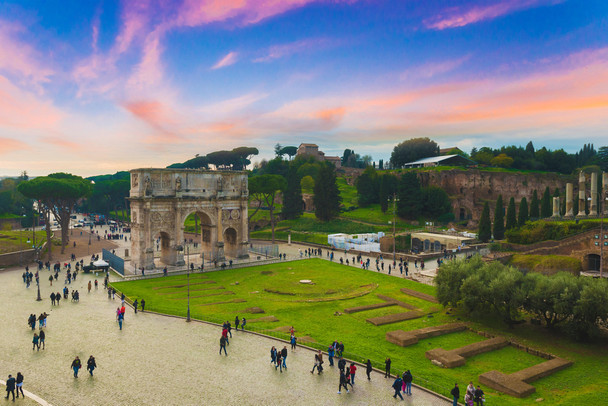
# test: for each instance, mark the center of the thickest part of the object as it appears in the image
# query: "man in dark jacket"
(407, 379)
(341, 364)
(387, 368)
(455, 394)
(478, 396)
(342, 382)
(284, 356)
(397, 387)
(223, 345)
(10, 386)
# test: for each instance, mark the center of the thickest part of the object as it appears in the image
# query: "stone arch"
(230, 241)
(206, 235)
(165, 246)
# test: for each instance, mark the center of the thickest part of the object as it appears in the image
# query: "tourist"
(121, 318)
(330, 354)
(76, 365)
(89, 286)
(53, 298)
(19, 384)
(341, 364)
(318, 362)
(283, 356)
(243, 322)
(340, 349)
(51, 279)
(223, 345)
(470, 394)
(479, 396)
(279, 361)
(225, 334)
(10, 386)
(387, 368)
(36, 343)
(237, 322)
(368, 369)
(123, 309)
(347, 377)
(57, 298)
(342, 382)
(293, 342)
(273, 355)
(96, 284)
(135, 304)
(353, 369)
(407, 382)
(455, 394)
(31, 321)
(397, 387)
(41, 337)
(91, 364)
(143, 306)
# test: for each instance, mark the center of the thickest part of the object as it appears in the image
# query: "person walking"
(342, 382)
(19, 384)
(368, 369)
(341, 364)
(283, 355)
(407, 380)
(53, 298)
(223, 345)
(397, 384)
(387, 368)
(36, 343)
(455, 394)
(273, 355)
(135, 304)
(89, 286)
(121, 318)
(143, 306)
(41, 337)
(10, 386)
(318, 362)
(91, 364)
(76, 365)
(57, 298)
(279, 361)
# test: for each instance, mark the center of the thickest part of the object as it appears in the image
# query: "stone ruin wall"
(470, 189)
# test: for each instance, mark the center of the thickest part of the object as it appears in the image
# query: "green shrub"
(537, 231)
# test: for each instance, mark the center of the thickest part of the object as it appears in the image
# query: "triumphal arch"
(162, 199)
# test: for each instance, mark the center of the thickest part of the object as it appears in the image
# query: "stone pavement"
(158, 360)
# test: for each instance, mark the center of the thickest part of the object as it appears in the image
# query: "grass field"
(11, 241)
(311, 308)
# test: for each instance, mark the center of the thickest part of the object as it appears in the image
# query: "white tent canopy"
(99, 263)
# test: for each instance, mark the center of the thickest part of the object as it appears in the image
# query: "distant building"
(450, 151)
(446, 160)
(313, 151)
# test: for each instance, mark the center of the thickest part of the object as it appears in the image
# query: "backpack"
(397, 384)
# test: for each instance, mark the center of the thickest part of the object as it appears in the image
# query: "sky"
(94, 87)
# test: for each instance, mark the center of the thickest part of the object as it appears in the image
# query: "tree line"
(414, 201)
(577, 306)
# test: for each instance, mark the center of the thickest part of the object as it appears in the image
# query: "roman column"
(593, 208)
(569, 200)
(555, 207)
(581, 195)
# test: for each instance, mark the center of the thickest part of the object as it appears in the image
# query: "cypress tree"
(534, 206)
(499, 219)
(327, 195)
(523, 212)
(292, 198)
(485, 227)
(511, 216)
(546, 209)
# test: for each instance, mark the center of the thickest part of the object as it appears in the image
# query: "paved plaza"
(157, 359)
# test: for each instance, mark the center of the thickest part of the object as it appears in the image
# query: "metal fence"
(268, 250)
(116, 262)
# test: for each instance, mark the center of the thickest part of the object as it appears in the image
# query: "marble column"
(593, 208)
(581, 195)
(569, 200)
(555, 207)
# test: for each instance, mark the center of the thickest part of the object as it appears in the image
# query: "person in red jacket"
(225, 335)
(353, 369)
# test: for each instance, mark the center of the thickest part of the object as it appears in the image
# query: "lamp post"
(188, 265)
(395, 200)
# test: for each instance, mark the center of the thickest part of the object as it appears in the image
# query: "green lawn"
(11, 241)
(311, 310)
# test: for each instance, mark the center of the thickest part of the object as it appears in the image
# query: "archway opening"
(200, 238)
(230, 242)
(593, 262)
(162, 248)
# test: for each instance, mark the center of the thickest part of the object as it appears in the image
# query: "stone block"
(395, 318)
(401, 338)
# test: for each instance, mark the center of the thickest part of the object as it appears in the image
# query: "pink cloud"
(19, 58)
(230, 59)
(62, 142)
(454, 17)
(429, 70)
(8, 145)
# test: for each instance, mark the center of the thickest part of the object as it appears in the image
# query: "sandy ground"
(158, 360)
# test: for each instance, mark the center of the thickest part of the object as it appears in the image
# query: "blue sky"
(95, 87)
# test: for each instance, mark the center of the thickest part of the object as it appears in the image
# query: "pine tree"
(499, 219)
(534, 206)
(292, 198)
(546, 205)
(327, 196)
(511, 216)
(485, 227)
(523, 212)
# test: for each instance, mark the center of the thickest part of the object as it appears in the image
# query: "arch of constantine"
(162, 199)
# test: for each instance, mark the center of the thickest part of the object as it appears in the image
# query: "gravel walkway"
(158, 360)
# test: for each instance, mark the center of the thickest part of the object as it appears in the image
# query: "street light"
(181, 248)
(395, 199)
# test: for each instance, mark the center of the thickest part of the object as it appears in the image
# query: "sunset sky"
(93, 87)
